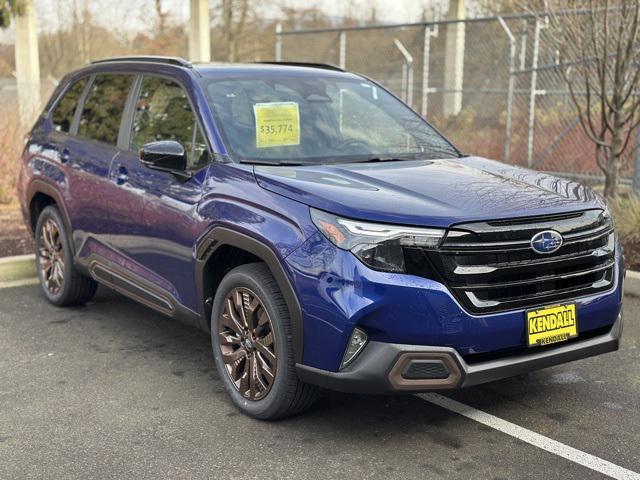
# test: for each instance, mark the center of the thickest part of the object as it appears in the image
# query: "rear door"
(155, 212)
(63, 118)
(88, 152)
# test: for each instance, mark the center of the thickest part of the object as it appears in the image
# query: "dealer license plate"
(551, 325)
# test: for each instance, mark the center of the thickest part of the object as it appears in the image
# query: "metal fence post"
(403, 82)
(523, 45)
(512, 59)
(278, 52)
(533, 92)
(343, 50)
(426, 50)
(407, 72)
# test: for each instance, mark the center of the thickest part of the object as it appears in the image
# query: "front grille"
(491, 267)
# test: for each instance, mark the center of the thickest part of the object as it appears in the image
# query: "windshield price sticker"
(277, 124)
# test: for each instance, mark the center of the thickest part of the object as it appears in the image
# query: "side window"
(103, 108)
(62, 114)
(163, 112)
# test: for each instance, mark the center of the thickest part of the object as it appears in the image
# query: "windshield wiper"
(384, 159)
(270, 162)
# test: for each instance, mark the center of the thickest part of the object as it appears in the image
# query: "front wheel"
(252, 345)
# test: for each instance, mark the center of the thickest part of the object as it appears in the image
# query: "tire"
(286, 395)
(61, 282)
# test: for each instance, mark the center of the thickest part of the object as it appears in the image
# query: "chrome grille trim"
(541, 279)
(525, 245)
(495, 268)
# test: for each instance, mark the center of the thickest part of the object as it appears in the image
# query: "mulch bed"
(15, 239)
(632, 255)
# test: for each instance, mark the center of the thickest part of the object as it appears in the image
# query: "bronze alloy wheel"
(51, 256)
(247, 343)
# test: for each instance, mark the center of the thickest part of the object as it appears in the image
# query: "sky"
(117, 12)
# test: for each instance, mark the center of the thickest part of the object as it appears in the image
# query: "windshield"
(311, 120)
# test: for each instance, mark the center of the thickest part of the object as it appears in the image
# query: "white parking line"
(577, 456)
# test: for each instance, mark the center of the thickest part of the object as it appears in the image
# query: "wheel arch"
(220, 237)
(41, 195)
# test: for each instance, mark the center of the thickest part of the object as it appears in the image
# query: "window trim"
(126, 126)
(56, 101)
(128, 134)
(80, 107)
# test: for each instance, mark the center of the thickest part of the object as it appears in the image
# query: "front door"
(155, 212)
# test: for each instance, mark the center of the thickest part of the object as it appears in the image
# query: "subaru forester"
(325, 234)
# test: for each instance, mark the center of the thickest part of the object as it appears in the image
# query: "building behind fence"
(487, 83)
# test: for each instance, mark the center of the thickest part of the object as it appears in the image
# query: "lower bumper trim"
(379, 368)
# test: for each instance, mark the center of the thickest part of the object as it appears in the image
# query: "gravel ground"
(113, 390)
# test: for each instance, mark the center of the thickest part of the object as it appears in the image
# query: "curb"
(21, 267)
(632, 283)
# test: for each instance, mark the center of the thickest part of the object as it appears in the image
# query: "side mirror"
(165, 155)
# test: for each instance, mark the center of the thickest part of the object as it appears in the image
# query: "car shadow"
(136, 330)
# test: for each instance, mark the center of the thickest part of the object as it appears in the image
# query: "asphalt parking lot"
(114, 390)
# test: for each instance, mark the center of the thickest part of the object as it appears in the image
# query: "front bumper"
(337, 293)
(383, 367)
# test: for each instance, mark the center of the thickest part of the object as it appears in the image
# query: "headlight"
(606, 213)
(377, 245)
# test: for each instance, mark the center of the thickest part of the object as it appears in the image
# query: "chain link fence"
(490, 84)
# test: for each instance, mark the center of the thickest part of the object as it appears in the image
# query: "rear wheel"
(252, 345)
(61, 282)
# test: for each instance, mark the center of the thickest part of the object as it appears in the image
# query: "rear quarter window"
(62, 113)
(103, 108)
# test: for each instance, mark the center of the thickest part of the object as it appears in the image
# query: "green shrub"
(626, 212)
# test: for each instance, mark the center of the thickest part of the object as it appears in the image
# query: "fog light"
(356, 343)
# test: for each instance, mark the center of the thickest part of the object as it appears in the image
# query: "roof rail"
(177, 61)
(325, 66)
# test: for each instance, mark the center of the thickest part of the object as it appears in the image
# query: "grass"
(626, 213)
(14, 236)
(10, 147)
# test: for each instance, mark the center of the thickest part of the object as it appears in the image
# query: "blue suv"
(323, 233)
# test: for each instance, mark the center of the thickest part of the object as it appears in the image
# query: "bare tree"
(82, 30)
(8, 9)
(598, 47)
(234, 21)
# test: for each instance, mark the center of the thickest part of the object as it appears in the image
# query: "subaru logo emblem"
(548, 241)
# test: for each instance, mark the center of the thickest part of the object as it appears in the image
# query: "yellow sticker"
(277, 124)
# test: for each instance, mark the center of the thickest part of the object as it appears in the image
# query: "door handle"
(65, 155)
(122, 176)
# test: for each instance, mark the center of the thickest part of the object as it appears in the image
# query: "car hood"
(435, 193)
